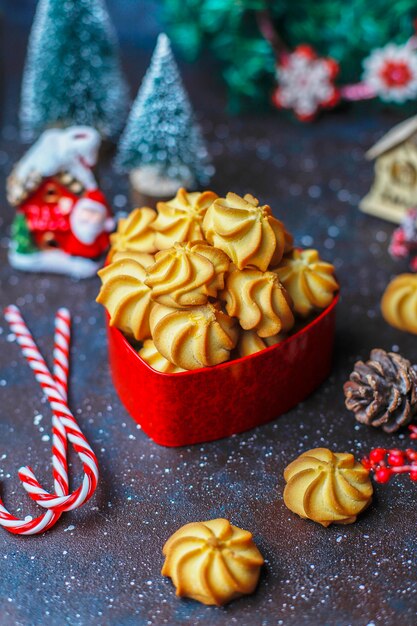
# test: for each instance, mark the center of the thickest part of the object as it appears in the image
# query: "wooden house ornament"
(394, 190)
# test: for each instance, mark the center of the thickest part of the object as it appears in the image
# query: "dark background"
(101, 564)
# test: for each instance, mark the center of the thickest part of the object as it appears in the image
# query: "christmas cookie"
(187, 274)
(327, 487)
(181, 218)
(150, 354)
(250, 342)
(134, 233)
(247, 232)
(220, 261)
(126, 297)
(383, 391)
(399, 303)
(195, 337)
(259, 301)
(212, 562)
(143, 258)
(309, 280)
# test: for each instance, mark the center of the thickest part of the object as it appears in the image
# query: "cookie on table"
(327, 487)
(212, 562)
(399, 303)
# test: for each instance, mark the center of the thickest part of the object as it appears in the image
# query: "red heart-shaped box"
(215, 402)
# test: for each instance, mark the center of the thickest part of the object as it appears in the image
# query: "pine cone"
(383, 391)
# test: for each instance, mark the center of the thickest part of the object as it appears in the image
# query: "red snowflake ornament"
(306, 83)
(391, 72)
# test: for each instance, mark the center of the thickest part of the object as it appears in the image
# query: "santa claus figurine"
(63, 220)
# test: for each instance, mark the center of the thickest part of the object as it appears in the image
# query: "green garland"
(229, 28)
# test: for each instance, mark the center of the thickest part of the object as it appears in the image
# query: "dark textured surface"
(101, 565)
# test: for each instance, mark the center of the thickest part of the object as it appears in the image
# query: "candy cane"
(28, 526)
(59, 440)
(61, 351)
(61, 371)
(60, 408)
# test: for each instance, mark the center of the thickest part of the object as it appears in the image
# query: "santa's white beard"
(85, 231)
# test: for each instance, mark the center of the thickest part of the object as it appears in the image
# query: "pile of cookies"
(206, 279)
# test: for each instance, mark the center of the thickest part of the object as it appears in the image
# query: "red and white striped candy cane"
(60, 408)
(61, 350)
(27, 526)
(61, 371)
(59, 440)
(48, 519)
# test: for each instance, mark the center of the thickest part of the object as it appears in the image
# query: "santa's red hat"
(95, 200)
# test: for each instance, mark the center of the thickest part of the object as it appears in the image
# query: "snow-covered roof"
(67, 154)
(18, 189)
(400, 133)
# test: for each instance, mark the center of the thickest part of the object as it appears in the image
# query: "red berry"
(377, 455)
(413, 475)
(411, 454)
(396, 459)
(383, 475)
(413, 429)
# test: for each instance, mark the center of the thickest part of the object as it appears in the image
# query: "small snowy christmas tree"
(72, 73)
(162, 143)
(23, 242)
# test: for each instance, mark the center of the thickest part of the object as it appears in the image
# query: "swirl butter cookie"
(309, 280)
(212, 562)
(134, 233)
(187, 274)
(399, 303)
(259, 301)
(194, 337)
(250, 342)
(246, 231)
(327, 487)
(150, 354)
(126, 297)
(181, 218)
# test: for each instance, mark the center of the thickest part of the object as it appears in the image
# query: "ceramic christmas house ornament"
(395, 187)
(162, 146)
(62, 219)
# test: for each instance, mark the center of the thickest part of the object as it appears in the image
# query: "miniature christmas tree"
(21, 236)
(162, 140)
(72, 73)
